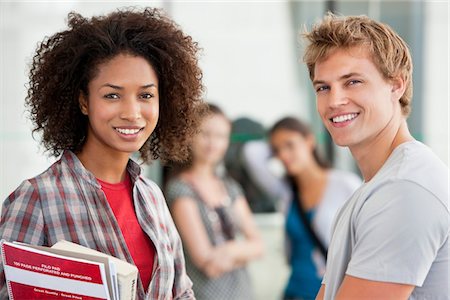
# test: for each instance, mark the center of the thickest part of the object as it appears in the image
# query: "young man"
(391, 239)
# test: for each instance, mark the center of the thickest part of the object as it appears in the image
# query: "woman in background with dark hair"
(101, 90)
(210, 211)
(317, 193)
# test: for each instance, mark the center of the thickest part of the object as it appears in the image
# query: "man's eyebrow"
(315, 82)
(345, 76)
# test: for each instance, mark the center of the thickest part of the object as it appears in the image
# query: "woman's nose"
(131, 110)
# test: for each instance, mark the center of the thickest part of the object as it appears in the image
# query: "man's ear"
(398, 87)
(82, 100)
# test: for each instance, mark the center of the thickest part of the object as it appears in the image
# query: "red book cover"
(36, 274)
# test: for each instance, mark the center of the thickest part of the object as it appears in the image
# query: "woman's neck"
(310, 176)
(201, 170)
(311, 185)
(108, 167)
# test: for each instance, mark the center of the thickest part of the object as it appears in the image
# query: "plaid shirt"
(66, 202)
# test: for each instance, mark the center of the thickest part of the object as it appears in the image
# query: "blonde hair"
(389, 52)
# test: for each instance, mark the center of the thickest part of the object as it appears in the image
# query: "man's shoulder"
(345, 178)
(413, 164)
(416, 161)
(402, 193)
(396, 199)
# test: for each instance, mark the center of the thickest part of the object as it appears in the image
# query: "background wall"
(435, 79)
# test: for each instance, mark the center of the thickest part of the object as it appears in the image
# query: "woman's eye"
(147, 96)
(275, 151)
(111, 96)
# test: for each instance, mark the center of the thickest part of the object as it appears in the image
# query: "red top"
(141, 247)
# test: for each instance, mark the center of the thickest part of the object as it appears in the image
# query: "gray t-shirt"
(395, 228)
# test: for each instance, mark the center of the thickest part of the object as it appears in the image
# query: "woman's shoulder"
(233, 187)
(55, 173)
(178, 187)
(64, 171)
(178, 182)
(46, 182)
(230, 181)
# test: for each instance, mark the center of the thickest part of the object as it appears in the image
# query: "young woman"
(210, 212)
(317, 193)
(99, 91)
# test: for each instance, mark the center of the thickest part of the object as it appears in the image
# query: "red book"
(36, 273)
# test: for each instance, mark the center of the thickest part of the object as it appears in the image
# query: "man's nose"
(337, 97)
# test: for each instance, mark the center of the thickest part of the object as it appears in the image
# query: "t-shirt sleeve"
(398, 233)
(176, 189)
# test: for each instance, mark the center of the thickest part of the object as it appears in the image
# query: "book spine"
(133, 289)
(10, 293)
(127, 288)
(8, 284)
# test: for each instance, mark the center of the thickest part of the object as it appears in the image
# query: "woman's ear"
(82, 100)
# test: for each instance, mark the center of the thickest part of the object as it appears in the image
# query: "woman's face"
(293, 149)
(122, 105)
(211, 143)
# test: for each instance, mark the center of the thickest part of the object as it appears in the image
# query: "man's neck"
(372, 156)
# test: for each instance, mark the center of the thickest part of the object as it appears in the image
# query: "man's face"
(356, 103)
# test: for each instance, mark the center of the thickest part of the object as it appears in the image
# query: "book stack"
(66, 271)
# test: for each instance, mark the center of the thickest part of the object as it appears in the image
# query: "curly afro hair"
(66, 62)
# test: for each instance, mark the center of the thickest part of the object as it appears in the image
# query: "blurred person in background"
(211, 214)
(317, 193)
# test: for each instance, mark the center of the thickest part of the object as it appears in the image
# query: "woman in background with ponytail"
(317, 193)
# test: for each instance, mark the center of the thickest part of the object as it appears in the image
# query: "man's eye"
(321, 88)
(354, 81)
